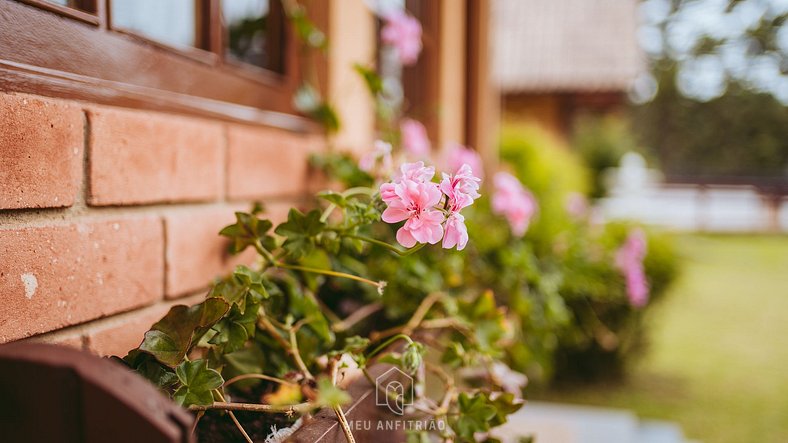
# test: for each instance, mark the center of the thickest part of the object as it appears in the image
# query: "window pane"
(172, 22)
(253, 32)
(82, 5)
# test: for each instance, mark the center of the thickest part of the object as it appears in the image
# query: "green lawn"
(718, 363)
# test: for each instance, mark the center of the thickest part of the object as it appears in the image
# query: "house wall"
(109, 216)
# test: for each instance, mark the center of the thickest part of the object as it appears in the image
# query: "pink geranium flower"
(458, 155)
(629, 260)
(431, 212)
(402, 32)
(414, 138)
(381, 152)
(408, 171)
(576, 205)
(456, 232)
(414, 203)
(461, 188)
(514, 202)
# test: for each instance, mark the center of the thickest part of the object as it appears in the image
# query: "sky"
(705, 77)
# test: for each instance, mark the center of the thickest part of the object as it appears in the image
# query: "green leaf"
(197, 382)
(371, 78)
(475, 413)
(300, 231)
(333, 197)
(171, 338)
(329, 395)
(148, 367)
(237, 326)
(247, 231)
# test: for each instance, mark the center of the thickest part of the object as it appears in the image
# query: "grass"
(718, 361)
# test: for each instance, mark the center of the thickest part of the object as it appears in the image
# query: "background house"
(554, 59)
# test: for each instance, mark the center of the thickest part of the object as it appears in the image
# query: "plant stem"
(357, 316)
(255, 407)
(386, 245)
(328, 272)
(258, 377)
(235, 420)
(415, 320)
(344, 424)
(297, 355)
(338, 409)
(388, 342)
(264, 252)
(290, 347)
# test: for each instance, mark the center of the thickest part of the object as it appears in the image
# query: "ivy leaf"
(148, 367)
(247, 231)
(197, 382)
(237, 327)
(333, 197)
(300, 231)
(505, 404)
(475, 413)
(171, 338)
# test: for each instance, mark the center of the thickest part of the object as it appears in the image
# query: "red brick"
(143, 157)
(41, 151)
(125, 333)
(264, 162)
(56, 276)
(196, 253)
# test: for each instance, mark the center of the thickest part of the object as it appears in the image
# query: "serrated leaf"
(247, 231)
(197, 382)
(300, 230)
(475, 414)
(171, 338)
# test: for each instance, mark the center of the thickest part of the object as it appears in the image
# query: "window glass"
(172, 22)
(253, 33)
(82, 5)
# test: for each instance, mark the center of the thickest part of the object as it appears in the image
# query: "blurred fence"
(741, 204)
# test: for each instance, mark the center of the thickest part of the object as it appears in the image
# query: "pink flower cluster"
(431, 211)
(458, 155)
(629, 260)
(402, 32)
(514, 202)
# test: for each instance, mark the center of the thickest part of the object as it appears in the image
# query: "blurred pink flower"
(414, 138)
(403, 32)
(382, 152)
(414, 202)
(458, 155)
(513, 201)
(456, 232)
(576, 205)
(629, 260)
(461, 188)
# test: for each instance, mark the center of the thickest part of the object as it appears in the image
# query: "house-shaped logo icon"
(394, 389)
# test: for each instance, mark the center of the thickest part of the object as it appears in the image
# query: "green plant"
(269, 327)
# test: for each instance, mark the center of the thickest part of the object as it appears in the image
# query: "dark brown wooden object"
(57, 394)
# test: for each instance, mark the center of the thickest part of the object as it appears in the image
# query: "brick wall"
(109, 216)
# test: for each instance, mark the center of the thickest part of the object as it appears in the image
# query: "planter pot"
(57, 394)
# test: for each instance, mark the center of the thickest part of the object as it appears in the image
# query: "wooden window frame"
(75, 57)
